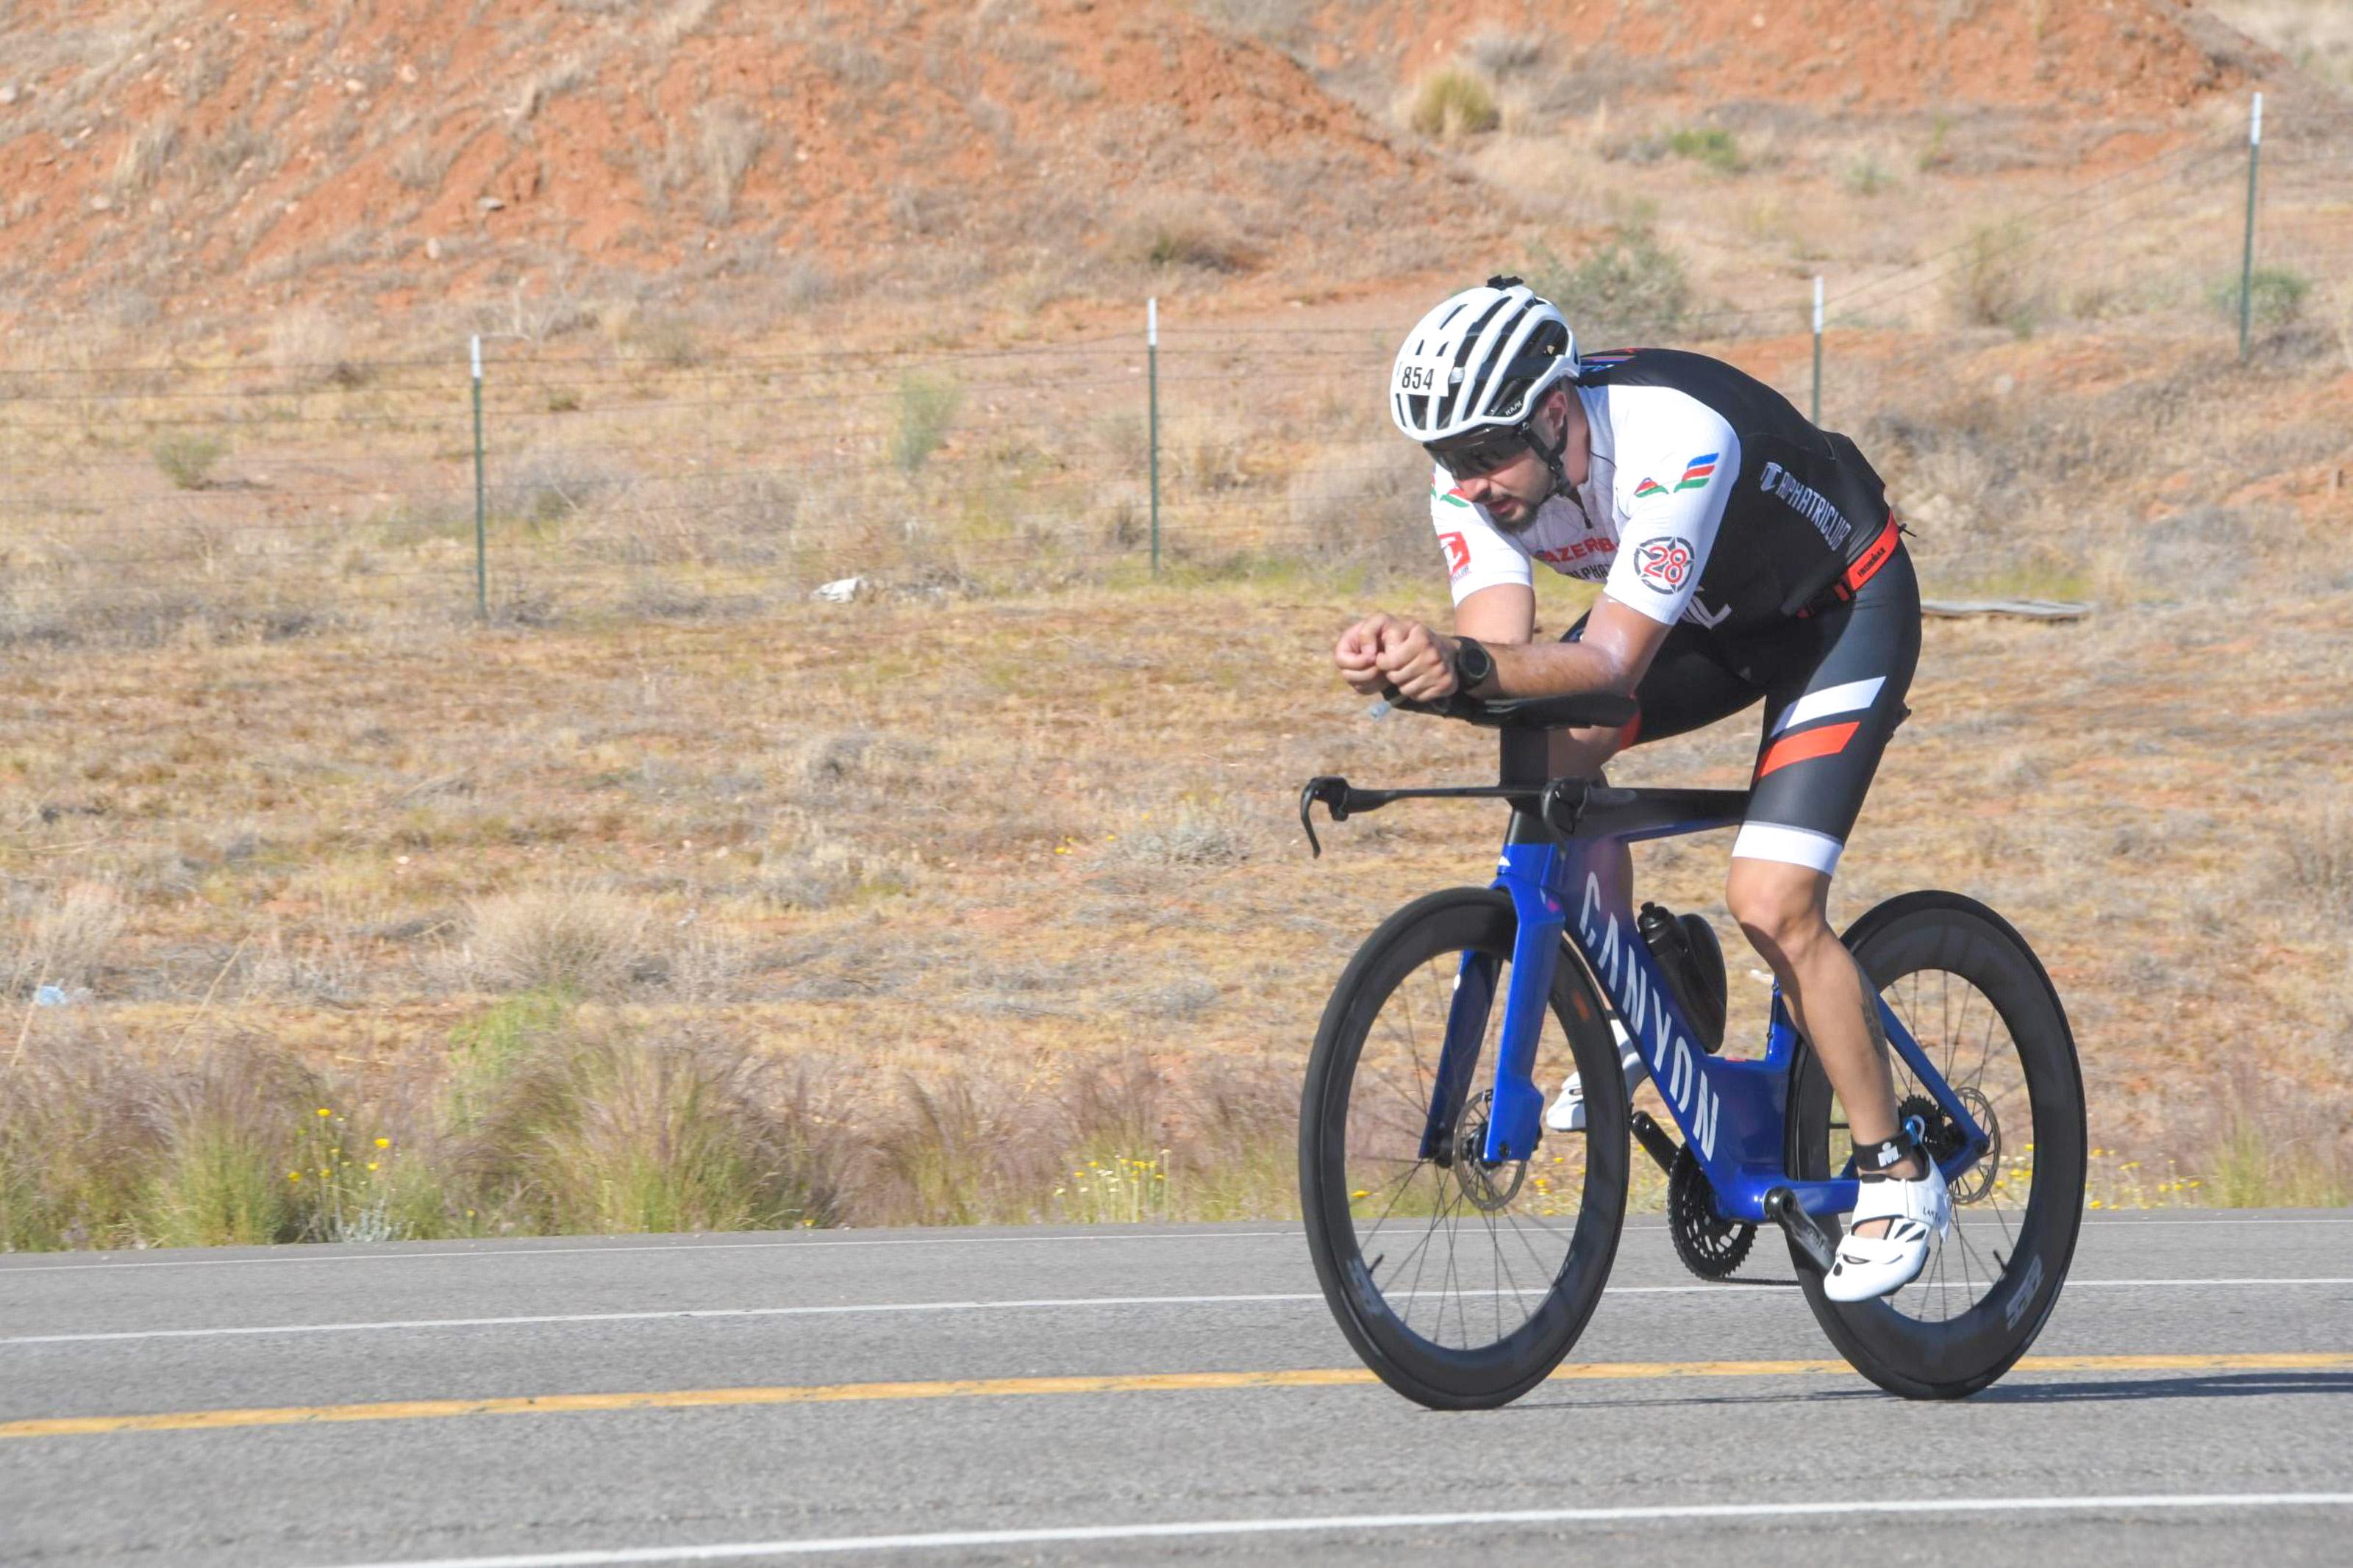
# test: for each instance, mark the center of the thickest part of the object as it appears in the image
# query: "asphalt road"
(1128, 1397)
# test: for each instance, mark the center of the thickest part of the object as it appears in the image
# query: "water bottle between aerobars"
(1688, 955)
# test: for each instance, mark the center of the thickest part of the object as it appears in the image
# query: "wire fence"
(137, 501)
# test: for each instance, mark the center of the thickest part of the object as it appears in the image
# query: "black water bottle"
(1688, 955)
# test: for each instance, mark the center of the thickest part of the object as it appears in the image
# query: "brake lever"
(1333, 791)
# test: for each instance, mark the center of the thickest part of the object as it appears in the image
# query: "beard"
(1524, 520)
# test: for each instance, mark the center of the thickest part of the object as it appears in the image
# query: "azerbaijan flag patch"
(1696, 473)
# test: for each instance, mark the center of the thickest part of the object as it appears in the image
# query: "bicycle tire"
(1440, 1376)
(1951, 1357)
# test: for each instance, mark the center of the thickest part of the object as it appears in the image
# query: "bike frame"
(1564, 889)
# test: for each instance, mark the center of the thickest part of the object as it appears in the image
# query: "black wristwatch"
(1472, 665)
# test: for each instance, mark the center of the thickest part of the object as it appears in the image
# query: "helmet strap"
(1555, 460)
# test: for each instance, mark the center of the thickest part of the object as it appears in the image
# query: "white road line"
(1344, 1524)
(322, 1254)
(1032, 1304)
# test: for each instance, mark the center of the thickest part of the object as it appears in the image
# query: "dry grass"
(545, 1121)
(665, 844)
(571, 939)
(65, 942)
(729, 139)
(1451, 102)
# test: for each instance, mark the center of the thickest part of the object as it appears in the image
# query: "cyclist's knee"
(1780, 907)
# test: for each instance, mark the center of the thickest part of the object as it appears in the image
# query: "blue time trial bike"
(1462, 1244)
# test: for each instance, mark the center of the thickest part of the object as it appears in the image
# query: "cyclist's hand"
(1416, 660)
(1357, 655)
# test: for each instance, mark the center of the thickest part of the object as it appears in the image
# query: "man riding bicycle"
(1744, 554)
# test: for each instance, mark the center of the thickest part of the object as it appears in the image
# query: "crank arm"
(1815, 1237)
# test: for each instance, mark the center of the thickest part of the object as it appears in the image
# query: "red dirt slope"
(2079, 57)
(215, 153)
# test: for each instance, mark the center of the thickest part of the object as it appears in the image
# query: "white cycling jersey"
(1641, 524)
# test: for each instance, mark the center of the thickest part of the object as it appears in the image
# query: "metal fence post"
(1151, 383)
(481, 525)
(1818, 347)
(2247, 262)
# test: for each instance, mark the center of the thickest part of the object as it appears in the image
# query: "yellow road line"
(994, 1387)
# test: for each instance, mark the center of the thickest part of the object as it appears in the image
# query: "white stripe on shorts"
(1790, 845)
(1852, 697)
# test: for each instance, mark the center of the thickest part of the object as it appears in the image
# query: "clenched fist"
(1382, 650)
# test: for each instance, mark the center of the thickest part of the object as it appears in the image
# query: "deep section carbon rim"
(1461, 1281)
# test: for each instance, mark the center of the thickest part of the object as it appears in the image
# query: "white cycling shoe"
(1566, 1112)
(1919, 1214)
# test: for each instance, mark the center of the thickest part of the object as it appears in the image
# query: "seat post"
(1527, 758)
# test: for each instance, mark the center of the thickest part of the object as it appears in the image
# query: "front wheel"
(1975, 997)
(1460, 1282)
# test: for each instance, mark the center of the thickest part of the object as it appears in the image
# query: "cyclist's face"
(1501, 472)
(1504, 476)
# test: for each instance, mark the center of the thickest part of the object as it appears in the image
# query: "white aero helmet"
(1483, 359)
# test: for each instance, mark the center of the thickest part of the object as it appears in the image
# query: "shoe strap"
(1871, 1160)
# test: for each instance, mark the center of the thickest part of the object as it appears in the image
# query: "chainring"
(1710, 1247)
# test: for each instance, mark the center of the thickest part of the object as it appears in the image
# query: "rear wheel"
(1461, 1283)
(1972, 994)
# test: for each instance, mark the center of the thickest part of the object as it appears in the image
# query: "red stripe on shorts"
(1797, 748)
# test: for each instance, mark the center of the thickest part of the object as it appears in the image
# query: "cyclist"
(1744, 555)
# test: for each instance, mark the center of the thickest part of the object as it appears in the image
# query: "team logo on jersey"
(1696, 473)
(1664, 563)
(1458, 555)
(1451, 497)
(1806, 502)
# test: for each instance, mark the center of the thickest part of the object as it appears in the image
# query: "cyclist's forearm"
(1556, 669)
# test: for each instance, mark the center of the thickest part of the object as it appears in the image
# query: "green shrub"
(2277, 297)
(1452, 102)
(188, 461)
(1709, 145)
(1630, 289)
(610, 1132)
(1864, 177)
(926, 408)
(1993, 282)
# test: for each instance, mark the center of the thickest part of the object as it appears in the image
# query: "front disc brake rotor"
(1488, 1186)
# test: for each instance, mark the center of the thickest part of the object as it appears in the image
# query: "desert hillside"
(193, 163)
(832, 682)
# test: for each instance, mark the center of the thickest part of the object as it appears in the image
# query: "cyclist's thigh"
(1828, 717)
(1690, 683)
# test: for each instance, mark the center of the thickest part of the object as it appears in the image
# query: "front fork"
(1515, 1114)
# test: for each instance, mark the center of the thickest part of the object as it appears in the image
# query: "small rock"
(7, 93)
(433, 250)
(355, 86)
(490, 204)
(840, 591)
(100, 204)
(408, 73)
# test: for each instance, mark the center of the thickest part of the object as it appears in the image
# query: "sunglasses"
(1483, 455)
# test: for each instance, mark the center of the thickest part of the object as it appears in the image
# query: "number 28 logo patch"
(1664, 565)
